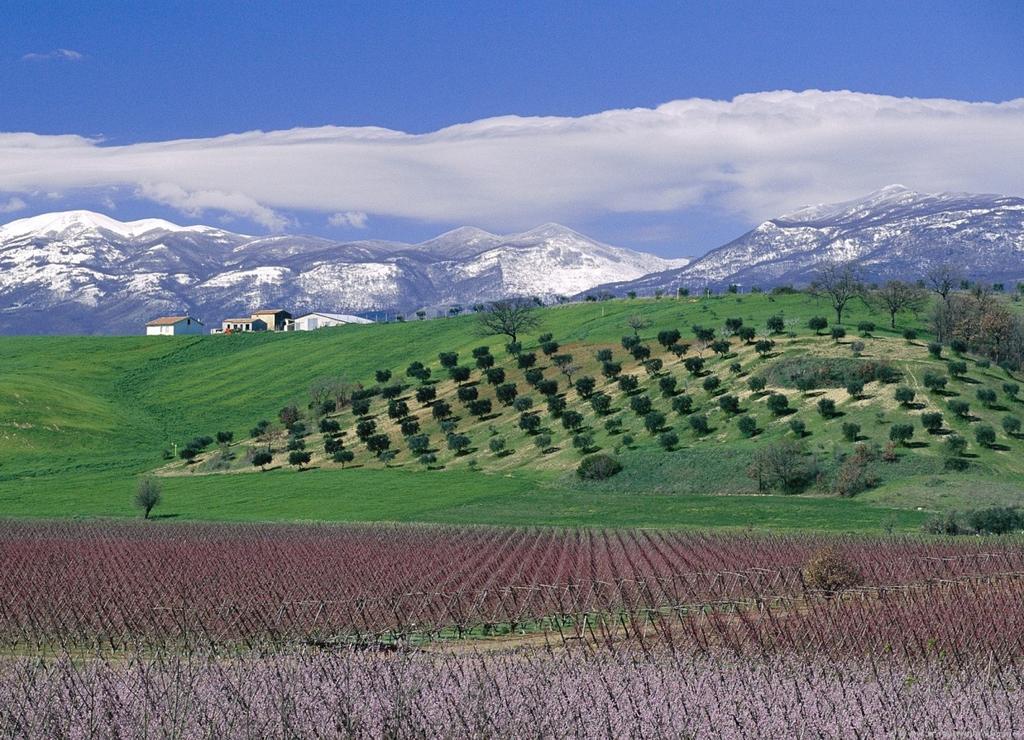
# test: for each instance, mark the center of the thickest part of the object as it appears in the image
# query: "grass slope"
(81, 418)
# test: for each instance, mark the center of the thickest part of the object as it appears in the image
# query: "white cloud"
(350, 219)
(61, 55)
(755, 156)
(12, 204)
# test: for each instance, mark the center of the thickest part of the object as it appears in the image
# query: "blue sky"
(138, 73)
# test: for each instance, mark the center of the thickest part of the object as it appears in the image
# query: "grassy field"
(81, 418)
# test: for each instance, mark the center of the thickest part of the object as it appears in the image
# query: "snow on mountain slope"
(891, 233)
(84, 272)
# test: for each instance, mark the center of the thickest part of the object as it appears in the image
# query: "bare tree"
(510, 317)
(636, 323)
(841, 284)
(943, 279)
(896, 296)
(147, 496)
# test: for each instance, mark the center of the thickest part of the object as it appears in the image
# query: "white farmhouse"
(166, 326)
(312, 321)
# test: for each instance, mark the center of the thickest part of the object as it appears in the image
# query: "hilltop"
(89, 415)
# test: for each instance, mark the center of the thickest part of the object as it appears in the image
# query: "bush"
(830, 571)
(682, 405)
(1011, 390)
(901, 433)
(945, 524)
(866, 328)
(932, 421)
(729, 404)
(857, 348)
(654, 422)
(798, 427)
(1011, 425)
(522, 403)
(985, 435)
(778, 404)
(668, 440)
(826, 407)
(225, 438)
(598, 467)
(851, 431)
(775, 324)
(747, 425)
(781, 465)
(699, 424)
(817, 324)
(960, 408)
(613, 425)
(711, 383)
(601, 403)
(640, 405)
(986, 396)
(996, 520)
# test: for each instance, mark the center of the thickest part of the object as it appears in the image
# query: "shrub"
(851, 431)
(830, 571)
(826, 407)
(613, 425)
(1011, 390)
(682, 405)
(383, 376)
(225, 438)
(778, 404)
(935, 349)
(1011, 425)
(654, 422)
(542, 442)
(817, 324)
(668, 440)
(598, 467)
(729, 404)
(857, 348)
(985, 435)
(905, 395)
(855, 388)
(798, 427)
(640, 405)
(838, 332)
(932, 421)
(699, 424)
(960, 408)
(496, 445)
(996, 520)
(945, 524)
(747, 425)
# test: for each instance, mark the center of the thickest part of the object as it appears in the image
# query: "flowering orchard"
(222, 630)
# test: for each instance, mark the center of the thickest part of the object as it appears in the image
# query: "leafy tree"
(932, 422)
(781, 465)
(934, 381)
(654, 422)
(225, 438)
(147, 496)
(699, 424)
(547, 387)
(427, 459)
(778, 404)
(458, 443)
(441, 410)
(583, 441)
(611, 370)
(329, 426)
(653, 366)
(514, 348)
(957, 368)
(556, 405)
(640, 405)
(703, 333)
(480, 408)
(378, 443)
(733, 325)
(598, 467)
(398, 409)
(549, 348)
(729, 404)
(827, 408)
(585, 386)
(798, 427)
(523, 403)
(757, 384)
(366, 429)
(985, 435)
(497, 445)
(775, 324)
(418, 444)
(640, 352)
(526, 360)
(534, 376)
(817, 323)
(667, 386)
(764, 347)
(682, 405)
(866, 328)
(986, 396)
(448, 359)
(851, 430)
(262, 459)
(459, 373)
(383, 376)
(747, 333)
(506, 393)
(694, 365)
(510, 317)
(495, 375)
(721, 347)
(669, 440)
(838, 332)
(679, 349)
(331, 445)
(296, 443)
(855, 388)
(960, 408)
(298, 458)
(711, 383)
(288, 415)
(344, 457)
(628, 383)
(529, 423)
(425, 394)
(629, 342)
(601, 403)
(1011, 425)
(910, 334)
(572, 420)
(361, 406)
(391, 391)
(895, 296)
(467, 393)
(935, 349)
(603, 355)
(904, 395)
(901, 433)
(1011, 390)
(410, 427)
(747, 425)
(668, 337)
(188, 454)
(637, 324)
(542, 442)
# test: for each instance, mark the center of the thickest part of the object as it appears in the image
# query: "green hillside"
(81, 418)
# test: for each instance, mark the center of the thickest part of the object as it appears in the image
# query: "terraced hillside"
(84, 417)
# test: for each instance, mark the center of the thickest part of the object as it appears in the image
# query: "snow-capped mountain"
(891, 233)
(83, 272)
